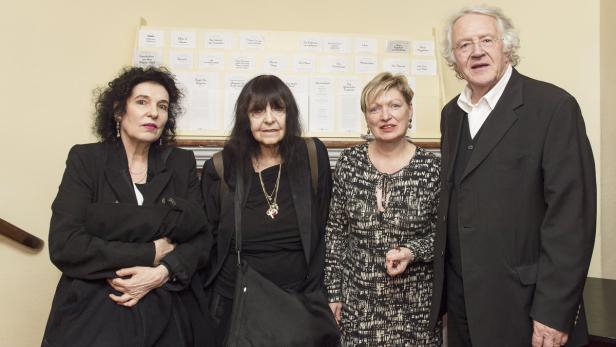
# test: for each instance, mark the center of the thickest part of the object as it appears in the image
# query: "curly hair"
(111, 101)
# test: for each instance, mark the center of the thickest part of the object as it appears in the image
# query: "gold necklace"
(273, 209)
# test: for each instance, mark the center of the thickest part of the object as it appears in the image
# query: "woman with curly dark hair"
(127, 229)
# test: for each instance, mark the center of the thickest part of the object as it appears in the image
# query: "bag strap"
(239, 193)
(224, 189)
(314, 165)
(220, 170)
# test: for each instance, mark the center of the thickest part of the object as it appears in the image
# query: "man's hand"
(140, 281)
(544, 336)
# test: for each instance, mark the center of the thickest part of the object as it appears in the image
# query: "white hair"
(511, 40)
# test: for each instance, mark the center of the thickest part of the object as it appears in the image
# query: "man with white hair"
(518, 197)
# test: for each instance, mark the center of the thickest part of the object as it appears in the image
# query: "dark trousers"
(457, 326)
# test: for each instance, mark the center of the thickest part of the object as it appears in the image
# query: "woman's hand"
(397, 259)
(163, 247)
(138, 281)
(336, 308)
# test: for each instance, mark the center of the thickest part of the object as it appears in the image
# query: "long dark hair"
(111, 101)
(256, 95)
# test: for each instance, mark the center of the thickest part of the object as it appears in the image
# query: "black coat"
(526, 215)
(311, 210)
(97, 228)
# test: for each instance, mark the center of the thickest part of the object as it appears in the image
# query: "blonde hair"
(383, 82)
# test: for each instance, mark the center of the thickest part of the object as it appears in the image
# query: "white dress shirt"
(479, 112)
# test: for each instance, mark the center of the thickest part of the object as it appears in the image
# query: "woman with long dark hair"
(283, 216)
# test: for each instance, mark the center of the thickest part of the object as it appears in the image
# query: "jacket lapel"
(116, 173)
(301, 192)
(453, 132)
(157, 167)
(498, 123)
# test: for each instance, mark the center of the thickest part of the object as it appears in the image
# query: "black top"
(311, 209)
(271, 246)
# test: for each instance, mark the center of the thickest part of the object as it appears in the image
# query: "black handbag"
(264, 314)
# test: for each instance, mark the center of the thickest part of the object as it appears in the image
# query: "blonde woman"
(381, 227)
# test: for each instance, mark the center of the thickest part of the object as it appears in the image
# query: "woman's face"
(388, 116)
(146, 113)
(268, 125)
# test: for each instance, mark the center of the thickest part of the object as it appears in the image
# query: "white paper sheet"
(181, 60)
(219, 39)
(333, 63)
(304, 63)
(322, 104)
(201, 97)
(215, 61)
(398, 46)
(300, 88)
(365, 45)
(151, 38)
(366, 64)
(252, 40)
(183, 39)
(397, 66)
(349, 113)
(311, 43)
(148, 58)
(423, 67)
(275, 63)
(423, 48)
(337, 44)
(233, 86)
(243, 62)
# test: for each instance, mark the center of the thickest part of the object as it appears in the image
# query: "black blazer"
(97, 228)
(311, 210)
(527, 214)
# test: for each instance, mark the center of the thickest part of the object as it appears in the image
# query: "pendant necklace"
(272, 210)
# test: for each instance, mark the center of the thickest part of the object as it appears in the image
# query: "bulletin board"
(325, 71)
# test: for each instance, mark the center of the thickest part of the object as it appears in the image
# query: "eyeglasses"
(467, 46)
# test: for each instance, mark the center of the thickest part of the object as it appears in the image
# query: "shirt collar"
(491, 97)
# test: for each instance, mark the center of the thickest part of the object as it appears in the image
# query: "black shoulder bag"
(265, 314)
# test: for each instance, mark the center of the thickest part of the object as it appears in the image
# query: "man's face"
(478, 51)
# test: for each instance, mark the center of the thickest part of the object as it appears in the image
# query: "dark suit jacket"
(527, 214)
(311, 210)
(97, 228)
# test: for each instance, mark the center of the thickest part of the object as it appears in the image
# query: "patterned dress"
(379, 310)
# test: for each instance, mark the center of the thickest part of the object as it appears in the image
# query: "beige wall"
(608, 140)
(56, 52)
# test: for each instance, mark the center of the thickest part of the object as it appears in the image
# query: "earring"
(117, 129)
(160, 141)
(367, 136)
